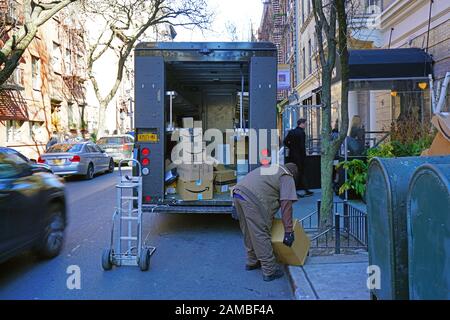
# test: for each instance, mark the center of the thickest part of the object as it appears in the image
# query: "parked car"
(32, 208)
(77, 158)
(118, 146)
(37, 166)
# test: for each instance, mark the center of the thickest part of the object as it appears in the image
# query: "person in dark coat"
(296, 142)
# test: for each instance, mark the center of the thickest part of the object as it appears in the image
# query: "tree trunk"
(101, 120)
(327, 156)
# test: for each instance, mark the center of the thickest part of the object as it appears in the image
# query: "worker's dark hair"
(301, 121)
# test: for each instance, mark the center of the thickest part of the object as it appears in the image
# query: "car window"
(11, 165)
(110, 140)
(89, 148)
(17, 153)
(97, 148)
(65, 147)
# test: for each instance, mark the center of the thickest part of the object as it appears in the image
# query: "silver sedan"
(83, 158)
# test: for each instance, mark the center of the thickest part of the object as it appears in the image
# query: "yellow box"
(198, 124)
(195, 190)
(188, 122)
(223, 188)
(295, 255)
(226, 175)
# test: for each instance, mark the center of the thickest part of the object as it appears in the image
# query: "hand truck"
(128, 249)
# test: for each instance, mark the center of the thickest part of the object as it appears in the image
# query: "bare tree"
(331, 32)
(124, 23)
(231, 29)
(35, 14)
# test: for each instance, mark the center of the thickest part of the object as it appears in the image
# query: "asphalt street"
(197, 257)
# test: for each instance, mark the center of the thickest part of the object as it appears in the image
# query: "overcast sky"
(239, 12)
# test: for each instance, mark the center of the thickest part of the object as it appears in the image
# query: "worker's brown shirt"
(285, 195)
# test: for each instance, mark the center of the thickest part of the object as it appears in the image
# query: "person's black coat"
(295, 141)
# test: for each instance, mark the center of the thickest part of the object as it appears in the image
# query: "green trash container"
(387, 188)
(428, 225)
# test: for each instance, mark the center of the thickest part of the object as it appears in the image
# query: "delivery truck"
(185, 91)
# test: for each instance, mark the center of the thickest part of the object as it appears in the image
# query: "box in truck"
(226, 89)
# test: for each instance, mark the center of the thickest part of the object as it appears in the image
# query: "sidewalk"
(332, 277)
(335, 277)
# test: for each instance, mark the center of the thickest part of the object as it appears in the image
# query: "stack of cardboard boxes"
(195, 177)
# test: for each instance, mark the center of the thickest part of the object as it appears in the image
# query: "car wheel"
(90, 172)
(111, 166)
(53, 239)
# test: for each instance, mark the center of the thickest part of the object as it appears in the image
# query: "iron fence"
(348, 230)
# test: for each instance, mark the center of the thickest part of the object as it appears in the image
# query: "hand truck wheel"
(144, 259)
(107, 259)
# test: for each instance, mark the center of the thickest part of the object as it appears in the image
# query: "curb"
(301, 286)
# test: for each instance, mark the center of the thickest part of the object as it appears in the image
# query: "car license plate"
(147, 137)
(58, 162)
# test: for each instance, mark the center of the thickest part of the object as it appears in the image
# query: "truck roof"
(178, 46)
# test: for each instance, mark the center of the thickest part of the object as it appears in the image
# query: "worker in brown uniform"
(257, 198)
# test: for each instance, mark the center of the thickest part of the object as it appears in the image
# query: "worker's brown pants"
(256, 226)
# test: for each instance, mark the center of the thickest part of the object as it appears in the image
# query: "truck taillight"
(145, 162)
(40, 160)
(145, 152)
(147, 198)
(75, 159)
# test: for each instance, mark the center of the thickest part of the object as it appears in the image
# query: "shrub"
(356, 176)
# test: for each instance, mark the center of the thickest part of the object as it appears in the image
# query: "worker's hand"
(288, 238)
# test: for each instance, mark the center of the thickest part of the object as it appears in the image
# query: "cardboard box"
(225, 176)
(193, 172)
(198, 124)
(224, 188)
(188, 122)
(195, 190)
(295, 255)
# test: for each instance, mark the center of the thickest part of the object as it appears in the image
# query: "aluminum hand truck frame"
(134, 252)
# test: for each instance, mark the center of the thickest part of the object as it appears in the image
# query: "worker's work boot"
(249, 267)
(277, 274)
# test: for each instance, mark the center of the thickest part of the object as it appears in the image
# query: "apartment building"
(46, 93)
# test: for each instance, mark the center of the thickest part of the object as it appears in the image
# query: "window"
(303, 12)
(11, 165)
(308, 3)
(56, 58)
(310, 57)
(35, 130)
(36, 73)
(70, 117)
(373, 6)
(304, 63)
(13, 130)
(68, 61)
(65, 147)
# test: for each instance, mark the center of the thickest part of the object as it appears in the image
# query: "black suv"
(32, 208)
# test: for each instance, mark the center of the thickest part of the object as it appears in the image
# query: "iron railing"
(348, 230)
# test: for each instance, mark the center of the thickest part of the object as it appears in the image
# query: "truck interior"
(215, 93)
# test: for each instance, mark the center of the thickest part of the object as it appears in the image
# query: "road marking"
(77, 247)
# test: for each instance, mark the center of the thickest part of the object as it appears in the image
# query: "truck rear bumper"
(188, 209)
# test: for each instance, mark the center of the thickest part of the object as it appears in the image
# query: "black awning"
(386, 64)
